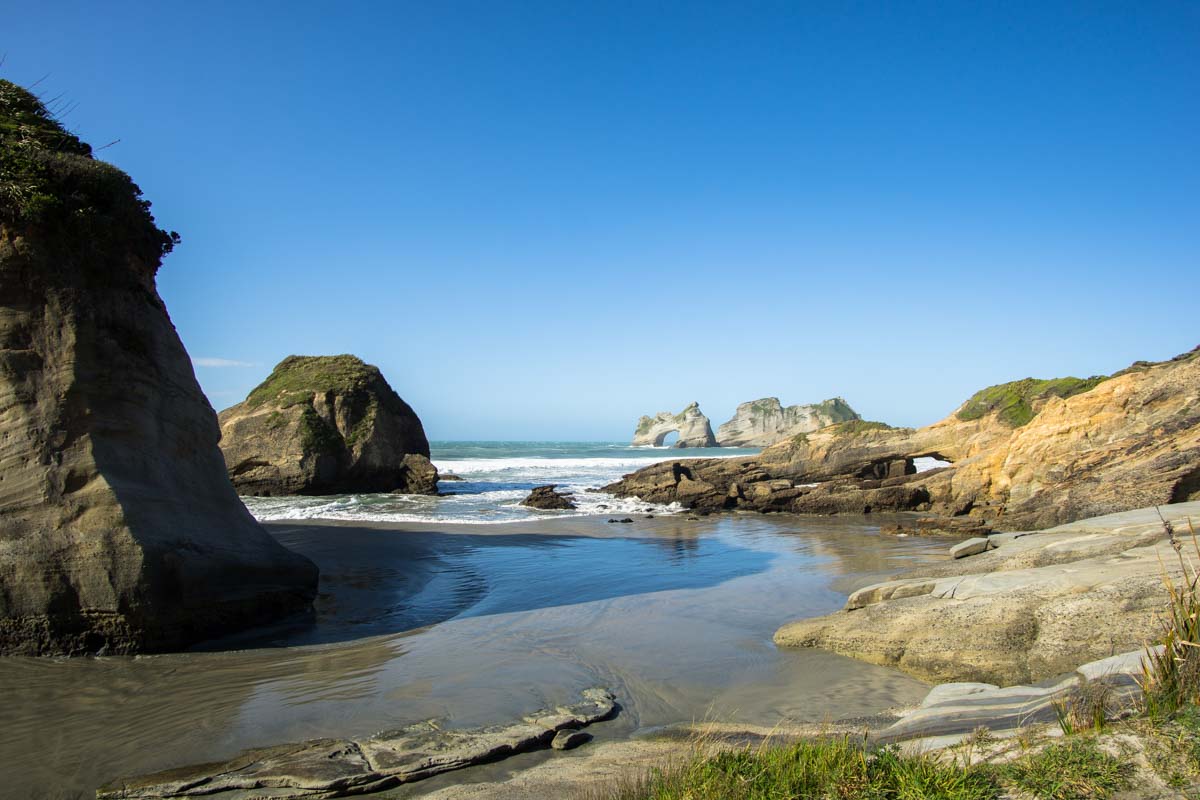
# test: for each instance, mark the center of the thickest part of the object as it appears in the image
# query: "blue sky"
(542, 220)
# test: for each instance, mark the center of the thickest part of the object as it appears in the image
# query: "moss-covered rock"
(325, 425)
(1016, 403)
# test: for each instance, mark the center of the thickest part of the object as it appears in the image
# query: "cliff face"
(1024, 455)
(761, 423)
(692, 426)
(119, 529)
(325, 425)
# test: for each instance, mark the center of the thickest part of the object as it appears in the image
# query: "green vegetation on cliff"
(50, 182)
(858, 427)
(297, 378)
(1014, 401)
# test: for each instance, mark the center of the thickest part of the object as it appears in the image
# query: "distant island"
(757, 423)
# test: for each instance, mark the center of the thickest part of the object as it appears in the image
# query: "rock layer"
(1023, 456)
(325, 768)
(119, 529)
(761, 423)
(325, 425)
(692, 426)
(1029, 609)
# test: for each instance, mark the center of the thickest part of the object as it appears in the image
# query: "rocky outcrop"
(119, 529)
(761, 423)
(325, 425)
(544, 497)
(1024, 455)
(325, 768)
(1030, 608)
(692, 426)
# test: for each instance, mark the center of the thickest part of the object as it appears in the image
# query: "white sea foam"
(491, 491)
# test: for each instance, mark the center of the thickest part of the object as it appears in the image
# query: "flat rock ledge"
(326, 768)
(952, 711)
(1014, 608)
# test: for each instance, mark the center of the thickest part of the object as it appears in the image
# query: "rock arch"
(692, 426)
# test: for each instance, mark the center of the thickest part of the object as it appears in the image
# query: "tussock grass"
(1073, 769)
(834, 768)
(1171, 678)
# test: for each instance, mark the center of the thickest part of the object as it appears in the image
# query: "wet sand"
(476, 627)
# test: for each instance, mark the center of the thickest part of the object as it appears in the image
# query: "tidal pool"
(474, 628)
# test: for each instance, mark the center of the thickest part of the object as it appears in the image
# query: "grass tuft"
(834, 768)
(1072, 769)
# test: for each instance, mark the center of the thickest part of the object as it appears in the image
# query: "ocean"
(497, 476)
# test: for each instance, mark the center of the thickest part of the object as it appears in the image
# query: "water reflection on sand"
(475, 628)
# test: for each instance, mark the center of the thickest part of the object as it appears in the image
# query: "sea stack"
(325, 425)
(119, 529)
(764, 422)
(692, 426)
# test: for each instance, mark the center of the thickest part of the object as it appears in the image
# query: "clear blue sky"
(543, 219)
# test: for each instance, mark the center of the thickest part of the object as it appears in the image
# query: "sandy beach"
(477, 625)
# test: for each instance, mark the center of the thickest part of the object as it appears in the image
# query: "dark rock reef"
(119, 529)
(325, 425)
(1023, 455)
(544, 497)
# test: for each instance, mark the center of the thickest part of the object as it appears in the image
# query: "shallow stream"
(674, 615)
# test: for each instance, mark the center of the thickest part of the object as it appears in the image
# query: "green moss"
(1013, 402)
(838, 409)
(297, 378)
(799, 440)
(859, 427)
(316, 435)
(276, 420)
(50, 183)
(363, 428)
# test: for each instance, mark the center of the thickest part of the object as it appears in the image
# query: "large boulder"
(692, 426)
(325, 425)
(119, 529)
(761, 423)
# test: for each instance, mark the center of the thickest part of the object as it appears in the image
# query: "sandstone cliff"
(119, 529)
(761, 423)
(692, 426)
(325, 425)
(1024, 455)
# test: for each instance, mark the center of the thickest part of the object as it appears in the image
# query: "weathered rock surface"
(544, 497)
(1033, 607)
(761, 423)
(692, 426)
(325, 425)
(119, 529)
(1025, 455)
(960, 708)
(325, 768)
(569, 739)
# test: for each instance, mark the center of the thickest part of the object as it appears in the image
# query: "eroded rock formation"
(326, 768)
(325, 425)
(692, 426)
(1029, 608)
(762, 423)
(119, 529)
(1024, 455)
